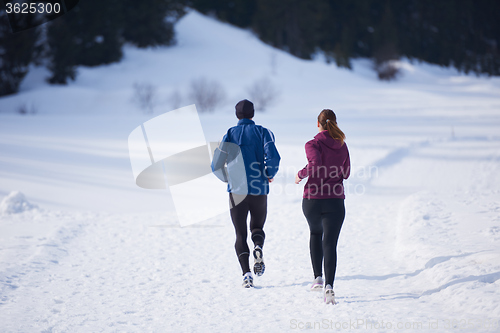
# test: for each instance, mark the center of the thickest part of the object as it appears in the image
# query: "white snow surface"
(419, 249)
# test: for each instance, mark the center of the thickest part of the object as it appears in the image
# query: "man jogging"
(247, 160)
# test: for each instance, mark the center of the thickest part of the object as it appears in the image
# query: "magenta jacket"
(328, 165)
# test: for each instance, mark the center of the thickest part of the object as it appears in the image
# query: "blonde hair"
(328, 120)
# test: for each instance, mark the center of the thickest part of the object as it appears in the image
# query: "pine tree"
(87, 35)
(237, 12)
(290, 25)
(93, 33)
(17, 51)
(63, 53)
(150, 23)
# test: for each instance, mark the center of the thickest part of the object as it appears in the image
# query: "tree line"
(464, 34)
(91, 34)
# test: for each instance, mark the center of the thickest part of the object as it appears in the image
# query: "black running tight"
(256, 205)
(325, 218)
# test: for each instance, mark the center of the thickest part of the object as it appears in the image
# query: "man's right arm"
(219, 160)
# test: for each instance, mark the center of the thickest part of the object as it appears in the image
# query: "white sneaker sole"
(258, 266)
(330, 297)
(317, 287)
(247, 284)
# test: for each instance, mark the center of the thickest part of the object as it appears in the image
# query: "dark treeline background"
(460, 33)
(91, 34)
(90, 37)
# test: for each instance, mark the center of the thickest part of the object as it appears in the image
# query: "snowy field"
(83, 249)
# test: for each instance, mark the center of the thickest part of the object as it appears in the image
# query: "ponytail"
(328, 120)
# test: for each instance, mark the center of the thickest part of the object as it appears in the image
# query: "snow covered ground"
(88, 251)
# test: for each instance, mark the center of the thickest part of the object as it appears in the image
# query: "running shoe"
(258, 266)
(317, 284)
(247, 280)
(329, 295)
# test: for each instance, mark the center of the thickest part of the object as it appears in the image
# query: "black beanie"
(244, 109)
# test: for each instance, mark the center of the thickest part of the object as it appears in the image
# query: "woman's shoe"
(317, 284)
(329, 295)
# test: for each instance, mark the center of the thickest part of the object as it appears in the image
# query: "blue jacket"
(251, 157)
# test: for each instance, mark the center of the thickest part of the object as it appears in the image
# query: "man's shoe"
(247, 280)
(258, 266)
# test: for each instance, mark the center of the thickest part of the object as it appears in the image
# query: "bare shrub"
(207, 95)
(263, 93)
(144, 96)
(26, 108)
(387, 71)
(384, 62)
(175, 99)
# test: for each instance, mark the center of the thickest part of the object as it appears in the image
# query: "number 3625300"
(32, 8)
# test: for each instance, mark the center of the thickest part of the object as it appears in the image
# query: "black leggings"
(257, 206)
(325, 218)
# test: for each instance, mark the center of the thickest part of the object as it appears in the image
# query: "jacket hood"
(326, 140)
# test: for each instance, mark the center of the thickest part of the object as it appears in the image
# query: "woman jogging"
(252, 161)
(323, 201)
